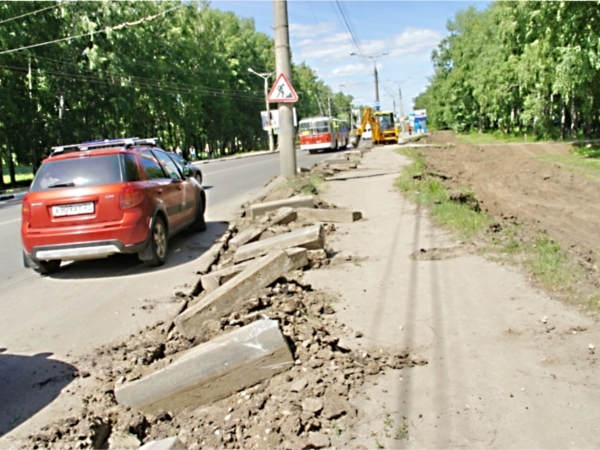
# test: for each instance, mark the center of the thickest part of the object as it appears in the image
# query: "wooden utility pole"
(287, 134)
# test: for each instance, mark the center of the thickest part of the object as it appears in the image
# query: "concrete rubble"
(330, 215)
(311, 238)
(298, 201)
(284, 215)
(212, 370)
(223, 300)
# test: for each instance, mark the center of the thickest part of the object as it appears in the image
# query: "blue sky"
(407, 30)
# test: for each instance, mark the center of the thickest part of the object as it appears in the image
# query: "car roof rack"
(103, 143)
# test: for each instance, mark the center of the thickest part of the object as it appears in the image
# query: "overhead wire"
(127, 77)
(28, 14)
(147, 84)
(90, 33)
(353, 41)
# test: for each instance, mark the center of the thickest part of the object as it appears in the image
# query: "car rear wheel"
(47, 267)
(199, 222)
(158, 243)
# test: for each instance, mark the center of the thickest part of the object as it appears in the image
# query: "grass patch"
(492, 138)
(545, 262)
(445, 211)
(460, 217)
(401, 433)
(585, 161)
(587, 150)
(548, 263)
(22, 174)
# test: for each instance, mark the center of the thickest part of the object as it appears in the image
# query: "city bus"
(319, 134)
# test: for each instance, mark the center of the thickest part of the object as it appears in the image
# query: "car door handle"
(159, 191)
(180, 187)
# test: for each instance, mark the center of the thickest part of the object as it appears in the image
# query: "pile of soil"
(514, 185)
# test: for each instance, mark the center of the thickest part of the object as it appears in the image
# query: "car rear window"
(83, 172)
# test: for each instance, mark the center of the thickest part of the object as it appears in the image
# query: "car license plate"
(73, 210)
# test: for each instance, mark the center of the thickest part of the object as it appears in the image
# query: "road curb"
(229, 158)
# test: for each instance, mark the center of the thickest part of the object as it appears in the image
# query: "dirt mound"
(518, 183)
(313, 397)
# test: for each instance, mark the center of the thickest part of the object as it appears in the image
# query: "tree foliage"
(526, 67)
(174, 69)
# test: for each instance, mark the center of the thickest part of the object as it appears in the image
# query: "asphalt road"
(90, 303)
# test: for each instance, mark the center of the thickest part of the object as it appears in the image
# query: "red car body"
(93, 200)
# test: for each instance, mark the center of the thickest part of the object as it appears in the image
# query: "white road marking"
(10, 221)
(234, 168)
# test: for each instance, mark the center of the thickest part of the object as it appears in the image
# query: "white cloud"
(348, 70)
(311, 31)
(415, 41)
(333, 46)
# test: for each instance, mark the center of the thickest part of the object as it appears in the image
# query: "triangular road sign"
(282, 91)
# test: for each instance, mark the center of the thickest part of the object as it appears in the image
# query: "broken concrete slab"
(208, 258)
(317, 255)
(354, 152)
(121, 440)
(310, 238)
(172, 443)
(337, 160)
(330, 215)
(342, 167)
(283, 217)
(212, 371)
(213, 280)
(223, 300)
(298, 201)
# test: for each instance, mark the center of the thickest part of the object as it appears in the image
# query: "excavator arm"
(367, 118)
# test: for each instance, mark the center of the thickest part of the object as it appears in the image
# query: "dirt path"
(508, 366)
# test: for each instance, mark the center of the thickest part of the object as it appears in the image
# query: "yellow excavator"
(383, 128)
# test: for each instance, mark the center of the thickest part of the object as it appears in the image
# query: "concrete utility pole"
(399, 83)
(265, 76)
(374, 58)
(287, 135)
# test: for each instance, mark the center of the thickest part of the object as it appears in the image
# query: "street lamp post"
(265, 76)
(399, 83)
(374, 58)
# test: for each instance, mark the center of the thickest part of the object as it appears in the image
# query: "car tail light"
(131, 196)
(26, 209)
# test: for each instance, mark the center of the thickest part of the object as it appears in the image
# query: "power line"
(147, 84)
(354, 42)
(28, 14)
(117, 27)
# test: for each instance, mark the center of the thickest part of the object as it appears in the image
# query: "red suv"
(95, 199)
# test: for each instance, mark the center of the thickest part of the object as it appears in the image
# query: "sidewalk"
(497, 375)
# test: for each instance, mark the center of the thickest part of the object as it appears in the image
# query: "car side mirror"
(186, 171)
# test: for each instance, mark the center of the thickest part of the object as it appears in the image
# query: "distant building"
(418, 120)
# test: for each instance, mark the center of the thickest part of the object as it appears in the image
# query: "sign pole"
(287, 135)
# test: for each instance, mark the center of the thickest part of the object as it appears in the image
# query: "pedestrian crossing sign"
(282, 91)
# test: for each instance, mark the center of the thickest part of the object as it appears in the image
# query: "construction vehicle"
(383, 127)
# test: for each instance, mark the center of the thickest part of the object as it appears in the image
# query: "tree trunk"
(573, 119)
(2, 186)
(563, 120)
(11, 168)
